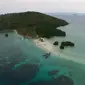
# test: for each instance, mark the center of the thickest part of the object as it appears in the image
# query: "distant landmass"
(32, 24)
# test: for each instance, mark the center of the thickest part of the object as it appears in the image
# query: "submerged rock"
(53, 72)
(61, 80)
(23, 73)
(55, 43)
(47, 55)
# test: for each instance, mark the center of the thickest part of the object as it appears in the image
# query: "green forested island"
(33, 24)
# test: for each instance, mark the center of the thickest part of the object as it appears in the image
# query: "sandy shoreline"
(48, 47)
(45, 45)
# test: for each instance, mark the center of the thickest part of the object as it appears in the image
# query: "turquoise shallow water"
(15, 52)
(22, 63)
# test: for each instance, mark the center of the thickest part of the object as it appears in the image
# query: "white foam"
(21, 37)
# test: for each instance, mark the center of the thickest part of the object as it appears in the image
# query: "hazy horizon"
(46, 12)
(44, 6)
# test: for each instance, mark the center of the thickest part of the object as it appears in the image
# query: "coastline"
(43, 45)
(48, 47)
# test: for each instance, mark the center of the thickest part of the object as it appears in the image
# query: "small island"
(32, 24)
(61, 47)
(67, 43)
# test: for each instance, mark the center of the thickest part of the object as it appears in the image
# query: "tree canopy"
(33, 23)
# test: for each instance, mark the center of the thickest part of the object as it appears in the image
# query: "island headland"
(33, 24)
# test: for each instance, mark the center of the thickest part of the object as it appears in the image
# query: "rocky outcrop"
(61, 47)
(55, 43)
(67, 43)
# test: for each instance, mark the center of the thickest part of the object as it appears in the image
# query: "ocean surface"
(75, 32)
(22, 62)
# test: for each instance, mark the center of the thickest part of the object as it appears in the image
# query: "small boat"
(47, 55)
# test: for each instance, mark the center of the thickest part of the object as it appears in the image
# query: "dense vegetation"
(32, 23)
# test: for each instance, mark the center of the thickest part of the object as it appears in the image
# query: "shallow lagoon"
(22, 63)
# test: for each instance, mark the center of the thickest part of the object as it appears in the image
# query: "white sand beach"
(45, 45)
(48, 47)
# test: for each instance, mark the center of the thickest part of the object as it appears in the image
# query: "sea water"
(75, 32)
(22, 62)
